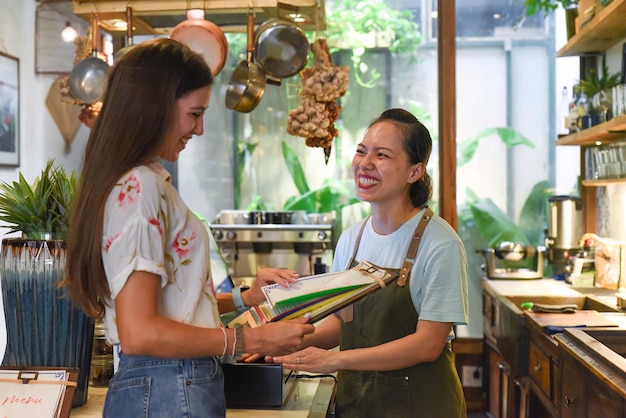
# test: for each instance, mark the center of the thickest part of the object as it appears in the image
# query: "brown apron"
(427, 390)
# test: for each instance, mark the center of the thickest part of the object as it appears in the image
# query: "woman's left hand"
(311, 359)
(265, 276)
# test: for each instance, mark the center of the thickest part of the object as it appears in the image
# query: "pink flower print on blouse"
(109, 242)
(183, 243)
(129, 190)
(155, 222)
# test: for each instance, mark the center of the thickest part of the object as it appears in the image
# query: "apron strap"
(414, 246)
(358, 241)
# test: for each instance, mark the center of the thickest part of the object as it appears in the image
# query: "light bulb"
(69, 34)
(195, 14)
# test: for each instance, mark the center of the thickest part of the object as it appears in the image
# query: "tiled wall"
(612, 211)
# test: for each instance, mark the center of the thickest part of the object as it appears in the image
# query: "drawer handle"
(537, 367)
(569, 402)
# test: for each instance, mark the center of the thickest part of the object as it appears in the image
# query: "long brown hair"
(137, 110)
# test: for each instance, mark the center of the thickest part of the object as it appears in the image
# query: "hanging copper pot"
(247, 84)
(205, 38)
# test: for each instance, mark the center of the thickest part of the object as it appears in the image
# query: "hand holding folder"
(318, 295)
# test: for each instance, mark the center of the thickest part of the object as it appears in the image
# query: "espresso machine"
(271, 239)
(564, 232)
(247, 242)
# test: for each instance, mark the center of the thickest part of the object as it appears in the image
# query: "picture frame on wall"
(9, 111)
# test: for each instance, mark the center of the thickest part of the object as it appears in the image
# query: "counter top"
(534, 287)
(309, 398)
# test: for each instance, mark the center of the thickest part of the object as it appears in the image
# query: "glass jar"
(102, 358)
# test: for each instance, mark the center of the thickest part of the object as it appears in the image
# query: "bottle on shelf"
(573, 110)
(583, 110)
(562, 125)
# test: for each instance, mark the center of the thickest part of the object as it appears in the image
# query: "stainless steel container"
(564, 221)
(564, 231)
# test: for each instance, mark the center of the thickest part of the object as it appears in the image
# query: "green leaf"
(494, 225)
(510, 137)
(332, 196)
(534, 215)
(295, 169)
(41, 207)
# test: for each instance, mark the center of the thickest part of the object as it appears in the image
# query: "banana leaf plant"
(482, 224)
(332, 195)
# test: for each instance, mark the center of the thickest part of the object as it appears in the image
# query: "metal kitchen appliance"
(509, 251)
(248, 247)
(564, 231)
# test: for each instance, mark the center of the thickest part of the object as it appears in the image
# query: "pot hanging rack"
(152, 17)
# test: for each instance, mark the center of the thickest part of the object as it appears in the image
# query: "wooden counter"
(530, 371)
(528, 287)
(310, 398)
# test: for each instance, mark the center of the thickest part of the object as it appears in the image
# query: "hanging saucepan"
(247, 84)
(206, 38)
(88, 78)
(281, 48)
(129, 36)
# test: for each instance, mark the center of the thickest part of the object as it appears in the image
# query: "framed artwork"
(9, 111)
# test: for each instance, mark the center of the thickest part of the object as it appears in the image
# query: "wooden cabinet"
(584, 395)
(539, 367)
(506, 395)
(543, 371)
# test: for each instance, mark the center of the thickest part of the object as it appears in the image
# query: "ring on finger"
(297, 360)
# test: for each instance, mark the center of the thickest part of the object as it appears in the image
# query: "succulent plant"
(40, 208)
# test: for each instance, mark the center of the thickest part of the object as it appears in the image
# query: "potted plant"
(44, 328)
(597, 88)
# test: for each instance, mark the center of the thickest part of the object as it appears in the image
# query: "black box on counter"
(257, 385)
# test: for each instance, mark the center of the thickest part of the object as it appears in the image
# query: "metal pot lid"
(512, 251)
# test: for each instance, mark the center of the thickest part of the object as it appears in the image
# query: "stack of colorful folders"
(318, 295)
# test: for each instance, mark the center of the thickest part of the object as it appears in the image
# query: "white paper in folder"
(324, 284)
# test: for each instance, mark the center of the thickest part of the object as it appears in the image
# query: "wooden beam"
(446, 53)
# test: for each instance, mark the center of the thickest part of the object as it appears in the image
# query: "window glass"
(505, 78)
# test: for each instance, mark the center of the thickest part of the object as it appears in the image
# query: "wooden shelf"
(615, 129)
(603, 182)
(603, 31)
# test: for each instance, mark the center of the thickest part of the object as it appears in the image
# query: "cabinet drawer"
(601, 401)
(539, 368)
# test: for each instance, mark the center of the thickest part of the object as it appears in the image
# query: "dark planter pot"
(44, 328)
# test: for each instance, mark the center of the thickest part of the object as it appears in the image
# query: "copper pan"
(205, 38)
(247, 84)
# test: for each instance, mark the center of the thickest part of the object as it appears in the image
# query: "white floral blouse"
(148, 227)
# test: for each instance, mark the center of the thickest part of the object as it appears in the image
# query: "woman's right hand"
(277, 338)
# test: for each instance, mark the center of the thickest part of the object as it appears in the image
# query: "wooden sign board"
(36, 392)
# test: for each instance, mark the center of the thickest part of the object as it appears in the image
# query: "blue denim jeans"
(169, 388)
